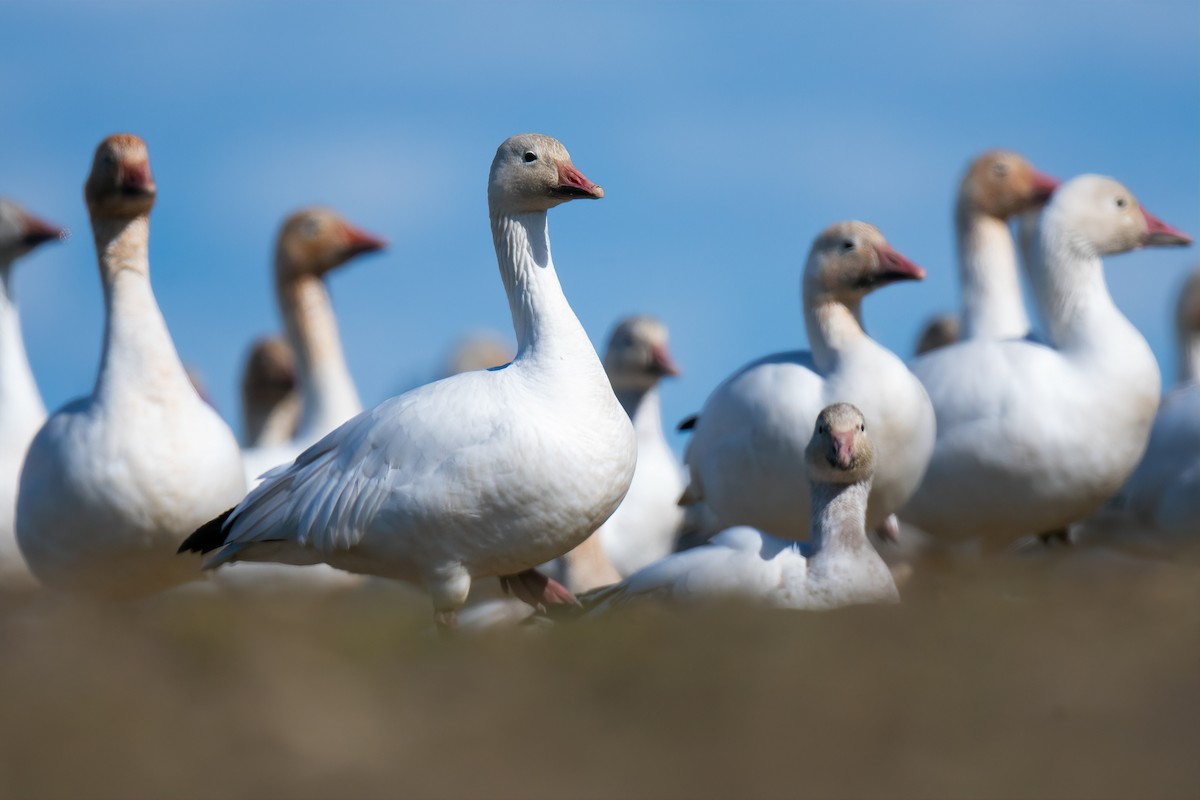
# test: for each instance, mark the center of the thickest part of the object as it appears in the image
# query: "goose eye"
(847, 246)
(110, 159)
(530, 156)
(863, 427)
(1120, 202)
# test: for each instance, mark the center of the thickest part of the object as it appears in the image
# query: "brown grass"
(1014, 680)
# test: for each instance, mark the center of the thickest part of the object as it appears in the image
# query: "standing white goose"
(311, 243)
(21, 408)
(841, 566)
(644, 528)
(998, 184)
(483, 473)
(1032, 436)
(270, 402)
(746, 457)
(1163, 493)
(114, 480)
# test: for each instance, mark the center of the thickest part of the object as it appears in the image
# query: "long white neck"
(20, 402)
(993, 307)
(545, 326)
(838, 519)
(833, 328)
(1189, 356)
(139, 357)
(644, 408)
(271, 425)
(327, 392)
(1071, 294)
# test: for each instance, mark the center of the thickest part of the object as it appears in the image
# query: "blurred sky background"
(725, 135)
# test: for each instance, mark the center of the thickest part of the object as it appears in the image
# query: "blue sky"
(725, 134)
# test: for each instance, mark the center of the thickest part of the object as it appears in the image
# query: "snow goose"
(1034, 436)
(483, 473)
(21, 408)
(1163, 493)
(841, 567)
(746, 457)
(644, 528)
(997, 185)
(311, 243)
(112, 481)
(270, 402)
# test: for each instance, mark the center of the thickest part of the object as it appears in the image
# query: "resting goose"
(840, 567)
(644, 528)
(21, 408)
(311, 243)
(746, 456)
(1034, 436)
(483, 473)
(1163, 493)
(270, 402)
(114, 480)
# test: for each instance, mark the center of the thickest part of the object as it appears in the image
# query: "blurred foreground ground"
(1024, 679)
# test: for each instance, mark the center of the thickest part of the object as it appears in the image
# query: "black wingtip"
(687, 423)
(208, 537)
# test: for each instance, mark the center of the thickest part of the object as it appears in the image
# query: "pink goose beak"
(38, 231)
(843, 448)
(661, 361)
(572, 184)
(359, 241)
(895, 267)
(1043, 186)
(1160, 234)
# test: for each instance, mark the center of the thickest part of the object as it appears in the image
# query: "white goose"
(270, 402)
(840, 567)
(114, 480)
(746, 457)
(998, 184)
(1034, 436)
(21, 408)
(1163, 493)
(483, 473)
(644, 528)
(311, 243)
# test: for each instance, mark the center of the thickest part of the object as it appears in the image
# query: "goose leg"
(448, 588)
(1056, 537)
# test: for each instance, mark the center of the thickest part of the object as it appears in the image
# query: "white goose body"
(1163, 493)
(839, 568)
(115, 480)
(21, 409)
(483, 473)
(1032, 436)
(745, 459)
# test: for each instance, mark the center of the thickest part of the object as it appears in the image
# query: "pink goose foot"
(537, 590)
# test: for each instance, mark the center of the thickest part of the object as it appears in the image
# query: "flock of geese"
(550, 470)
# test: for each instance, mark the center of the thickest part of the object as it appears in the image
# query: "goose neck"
(138, 355)
(545, 325)
(1189, 357)
(17, 386)
(644, 408)
(834, 326)
(328, 395)
(838, 519)
(993, 307)
(1071, 294)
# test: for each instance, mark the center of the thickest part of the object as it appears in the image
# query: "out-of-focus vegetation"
(1043, 678)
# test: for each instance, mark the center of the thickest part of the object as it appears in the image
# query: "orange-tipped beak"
(895, 267)
(573, 184)
(38, 231)
(359, 241)
(661, 361)
(1160, 234)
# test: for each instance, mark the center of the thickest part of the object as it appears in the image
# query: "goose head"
(313, 241)
(120, 185)
(1001, 183)
(270, 373)
(1098, 216)
(840, 450)
(532, 172)
(20, 231)
(940, 331)
(848, 260)
(637, 355)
